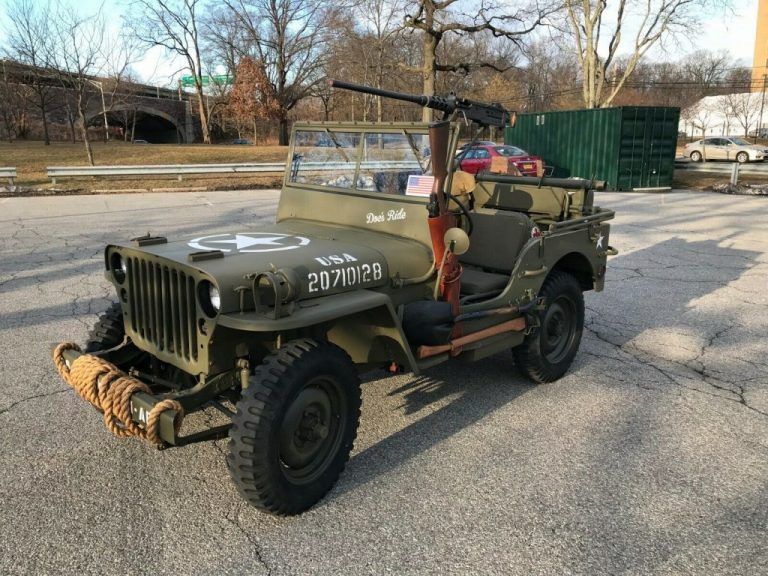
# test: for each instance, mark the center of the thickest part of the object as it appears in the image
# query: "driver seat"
(497, 238)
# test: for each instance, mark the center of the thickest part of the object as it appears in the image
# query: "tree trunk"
(203, 115)
(84, 131)
(8, 129)
(133, 126)
(43, 114)
(428, 72)
(71, 122)
(282, 136)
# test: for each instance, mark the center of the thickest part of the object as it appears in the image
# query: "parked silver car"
(731, 148)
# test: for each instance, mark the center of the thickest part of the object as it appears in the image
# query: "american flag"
(419, 185)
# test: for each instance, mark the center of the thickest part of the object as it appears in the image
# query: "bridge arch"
(153, 125)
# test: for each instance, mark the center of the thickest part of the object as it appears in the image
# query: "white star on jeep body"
(241, 241)
(600, 241)
(249, 242)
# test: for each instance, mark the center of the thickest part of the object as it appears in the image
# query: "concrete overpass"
(151, 113)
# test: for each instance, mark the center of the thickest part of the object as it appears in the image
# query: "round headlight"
(209, 298)
(214, 297)
(119, 267)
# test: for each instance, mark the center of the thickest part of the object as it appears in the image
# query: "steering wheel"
(465, 212)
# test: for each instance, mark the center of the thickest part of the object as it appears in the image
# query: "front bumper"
(191, 400)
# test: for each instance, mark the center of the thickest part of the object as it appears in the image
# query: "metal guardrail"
(749, 168)
(180, 170)
(9, 173)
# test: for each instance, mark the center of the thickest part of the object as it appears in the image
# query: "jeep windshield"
(365, 159)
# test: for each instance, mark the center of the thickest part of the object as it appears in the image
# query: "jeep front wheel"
(108, 331)
(295, 426)
(547, 353)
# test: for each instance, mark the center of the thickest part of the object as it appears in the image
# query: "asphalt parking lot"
(650, 457)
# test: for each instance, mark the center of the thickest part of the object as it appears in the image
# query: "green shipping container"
(628, 147)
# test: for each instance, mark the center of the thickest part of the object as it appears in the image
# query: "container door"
(648, 141)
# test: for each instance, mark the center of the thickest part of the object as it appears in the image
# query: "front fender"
(364, 323)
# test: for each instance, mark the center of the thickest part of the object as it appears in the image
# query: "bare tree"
(699, 115)
(287, 37)
(745, 108)
(29, 37)
(175, 25)
(436, 19)
(383, 21)
(13, 111)
(79, 49)
(601, 25)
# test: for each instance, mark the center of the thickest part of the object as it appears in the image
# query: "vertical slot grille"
(163, 311)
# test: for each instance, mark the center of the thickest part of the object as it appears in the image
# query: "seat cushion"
(474, 281)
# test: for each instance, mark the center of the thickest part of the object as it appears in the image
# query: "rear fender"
(574, 250)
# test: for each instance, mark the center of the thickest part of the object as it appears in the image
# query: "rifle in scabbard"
(440, 217)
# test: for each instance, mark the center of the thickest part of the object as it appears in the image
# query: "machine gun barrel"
(483, 114)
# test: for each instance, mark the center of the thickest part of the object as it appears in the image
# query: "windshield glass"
(510, 151)
(741, 142)
(371, 161)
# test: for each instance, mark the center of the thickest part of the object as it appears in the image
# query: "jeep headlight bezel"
(209, 298)
(119, 267)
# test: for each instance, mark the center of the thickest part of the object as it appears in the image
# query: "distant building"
(725, 115)
(760, 61)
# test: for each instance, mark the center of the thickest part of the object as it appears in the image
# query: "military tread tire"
(547, 353)
(295, 427)
(109, 330)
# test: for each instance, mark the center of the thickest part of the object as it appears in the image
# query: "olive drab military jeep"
(383, 256)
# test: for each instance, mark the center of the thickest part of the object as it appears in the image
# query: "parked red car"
(478, 158)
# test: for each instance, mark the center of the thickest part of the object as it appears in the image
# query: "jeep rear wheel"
(547, 353)
(295, 427)
(696, 156)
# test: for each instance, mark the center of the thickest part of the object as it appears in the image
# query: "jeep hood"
(325, 259)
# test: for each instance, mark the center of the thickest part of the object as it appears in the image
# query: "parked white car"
(733, 148)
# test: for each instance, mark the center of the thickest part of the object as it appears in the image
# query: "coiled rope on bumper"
(110, 389)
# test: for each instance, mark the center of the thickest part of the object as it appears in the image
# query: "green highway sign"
(219, 80)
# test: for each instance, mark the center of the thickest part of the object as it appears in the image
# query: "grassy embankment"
(32, 158)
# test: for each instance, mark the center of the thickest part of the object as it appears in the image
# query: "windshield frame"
(398, 128)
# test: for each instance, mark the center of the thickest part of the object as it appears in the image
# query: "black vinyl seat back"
(497, 239)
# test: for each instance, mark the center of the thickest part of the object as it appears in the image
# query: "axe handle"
(515, 325)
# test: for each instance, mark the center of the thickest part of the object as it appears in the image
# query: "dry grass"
(32, 158)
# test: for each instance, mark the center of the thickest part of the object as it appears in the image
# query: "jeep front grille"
(162, 307)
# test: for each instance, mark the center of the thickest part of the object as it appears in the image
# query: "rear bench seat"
(543, 204)
(503, 219)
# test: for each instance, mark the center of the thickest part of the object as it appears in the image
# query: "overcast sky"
(733, 32)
